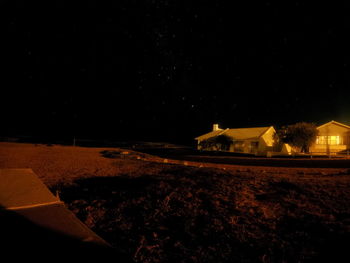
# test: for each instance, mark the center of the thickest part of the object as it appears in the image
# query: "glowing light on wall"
(331, 140)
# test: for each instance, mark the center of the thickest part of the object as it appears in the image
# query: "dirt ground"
(153, 209)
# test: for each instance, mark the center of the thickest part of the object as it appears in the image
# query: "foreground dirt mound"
(158, 210)
(186, 214)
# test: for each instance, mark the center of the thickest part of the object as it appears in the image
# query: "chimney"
(216, 127)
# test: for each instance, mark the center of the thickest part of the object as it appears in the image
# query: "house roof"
(246, 133)
(210, 134)
(237, 134)
(334, 122)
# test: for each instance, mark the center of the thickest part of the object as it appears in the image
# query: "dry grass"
(170, 212)
(62, 164)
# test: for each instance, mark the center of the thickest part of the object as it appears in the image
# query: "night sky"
(167, 70)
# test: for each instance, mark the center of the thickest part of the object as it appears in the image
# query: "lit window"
(331, 140)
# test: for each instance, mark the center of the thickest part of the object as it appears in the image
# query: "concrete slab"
(22, 187)
(23, 194)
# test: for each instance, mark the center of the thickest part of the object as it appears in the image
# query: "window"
(254, 145)
(331, 140)
(239, 146)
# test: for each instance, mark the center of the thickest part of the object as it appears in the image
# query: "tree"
(300, 135)
(220, 142)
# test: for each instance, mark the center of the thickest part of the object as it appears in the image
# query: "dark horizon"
(168, 70)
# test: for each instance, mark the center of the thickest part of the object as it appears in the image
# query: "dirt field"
(156, 210)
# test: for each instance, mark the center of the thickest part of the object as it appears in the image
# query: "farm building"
(333, 137)
(256, 141)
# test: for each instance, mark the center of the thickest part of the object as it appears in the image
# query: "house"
(333, 137)
(256, 141)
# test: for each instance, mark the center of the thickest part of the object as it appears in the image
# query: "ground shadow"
(110, 154)
(106, 187)
(177, 214)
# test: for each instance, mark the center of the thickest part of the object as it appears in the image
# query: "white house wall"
(332, 129)
(266, 141)
(268, 137)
